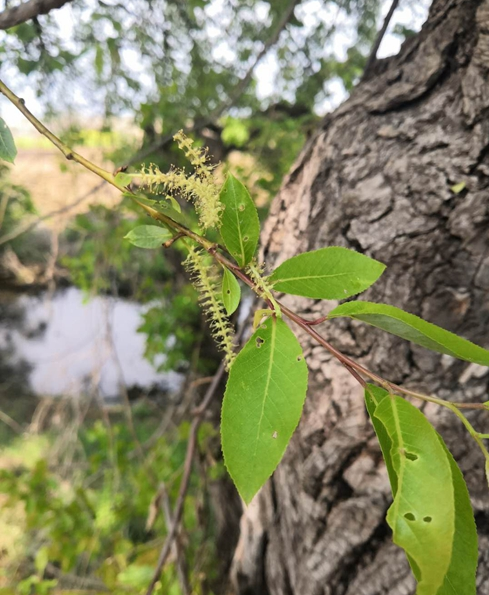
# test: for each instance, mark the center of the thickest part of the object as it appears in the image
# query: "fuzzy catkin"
(205, 279)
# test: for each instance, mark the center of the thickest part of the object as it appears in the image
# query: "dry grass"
(55, 183)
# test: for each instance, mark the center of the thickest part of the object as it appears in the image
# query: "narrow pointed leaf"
(262, 405)
(240, 228)
(8, 151)
(332, 273)
(431, 516)
(231, 292)
(148, 236)
(414, 329)
(174, 203)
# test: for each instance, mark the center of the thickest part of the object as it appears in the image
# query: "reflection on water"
(74, 346)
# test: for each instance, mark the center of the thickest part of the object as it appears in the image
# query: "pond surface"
(73, 345)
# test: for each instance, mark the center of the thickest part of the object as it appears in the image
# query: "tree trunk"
(378, 177)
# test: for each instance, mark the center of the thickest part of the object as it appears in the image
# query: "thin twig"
(11, 423)
(177, 546)
(245, 81)
(198, 414)
(29, 226)
(378, 40)
(187, 469)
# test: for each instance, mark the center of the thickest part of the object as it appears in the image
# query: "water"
(72, 346)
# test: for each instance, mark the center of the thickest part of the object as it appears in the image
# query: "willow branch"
(212, 249)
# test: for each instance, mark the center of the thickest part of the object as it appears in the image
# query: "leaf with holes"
(262, 405)
(148, 236)
(240, 228)
(431, 516)
(414, 329)
(332, 273)
(231, 292)
(8, 151)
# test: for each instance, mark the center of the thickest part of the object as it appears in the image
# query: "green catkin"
(199, 187)
(205, 278)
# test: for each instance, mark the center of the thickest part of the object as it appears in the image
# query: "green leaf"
(123, 179)
(332, 273)
(262, 405)
(431, 516)
(148, 236)
(160, 206)
(240, 227)
(373, 396)
(231, 292)
(457, 188)
(414, 329)
(174, 203)
(8, 151)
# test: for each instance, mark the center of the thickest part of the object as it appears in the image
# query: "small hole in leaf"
(228, 291)
(259, 342)
(409, 516)
(299, 358)
(245, 239)
(411, 456)
(264, 326)
(274, 435)
(241, 207)
(427, 519)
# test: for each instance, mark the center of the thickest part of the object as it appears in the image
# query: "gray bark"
(377, 177)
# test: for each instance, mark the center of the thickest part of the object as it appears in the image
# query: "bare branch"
(378, 40)
(11, 423)
(27, 11)
(177, 546)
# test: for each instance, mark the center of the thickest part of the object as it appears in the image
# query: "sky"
(411, 13)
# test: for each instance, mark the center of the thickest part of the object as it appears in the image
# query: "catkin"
(205, 278)
(198, 187)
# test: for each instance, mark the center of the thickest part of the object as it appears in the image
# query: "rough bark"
(377, 177)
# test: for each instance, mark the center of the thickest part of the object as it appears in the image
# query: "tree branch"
(27, 11)
(378, 40)
(231, 100)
